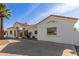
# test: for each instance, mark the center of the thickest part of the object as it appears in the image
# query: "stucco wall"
(65, 31)
(10, 35)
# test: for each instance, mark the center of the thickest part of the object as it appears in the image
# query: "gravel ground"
(37, 48)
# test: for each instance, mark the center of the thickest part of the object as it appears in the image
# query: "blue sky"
(33, 13)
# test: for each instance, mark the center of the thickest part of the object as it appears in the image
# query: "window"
(10, 32)
(17, 28)
(35, 32)
(76, 29)
(52, 31)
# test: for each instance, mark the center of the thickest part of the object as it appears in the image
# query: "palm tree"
(4, 13)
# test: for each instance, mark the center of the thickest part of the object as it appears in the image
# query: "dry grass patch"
(68, 52)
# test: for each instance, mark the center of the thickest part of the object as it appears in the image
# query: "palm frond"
(5, 11)
(7, 17)
(2, 6)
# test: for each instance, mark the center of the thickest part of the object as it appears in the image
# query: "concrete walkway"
(38, 48)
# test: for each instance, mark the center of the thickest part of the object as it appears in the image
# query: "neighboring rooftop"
(24, 24)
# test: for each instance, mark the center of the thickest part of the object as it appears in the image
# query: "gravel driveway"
(36, 48)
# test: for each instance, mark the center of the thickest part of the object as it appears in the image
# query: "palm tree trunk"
(2, 28)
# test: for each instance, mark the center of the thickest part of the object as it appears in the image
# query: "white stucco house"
(20, 30)
(53, 28)
(57, 29)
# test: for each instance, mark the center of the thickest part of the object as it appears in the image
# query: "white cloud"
(29, 11)
(65, 8)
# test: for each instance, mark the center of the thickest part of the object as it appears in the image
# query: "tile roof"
(22, 24)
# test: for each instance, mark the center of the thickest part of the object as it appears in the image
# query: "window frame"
(53, 31)
(35, 31)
